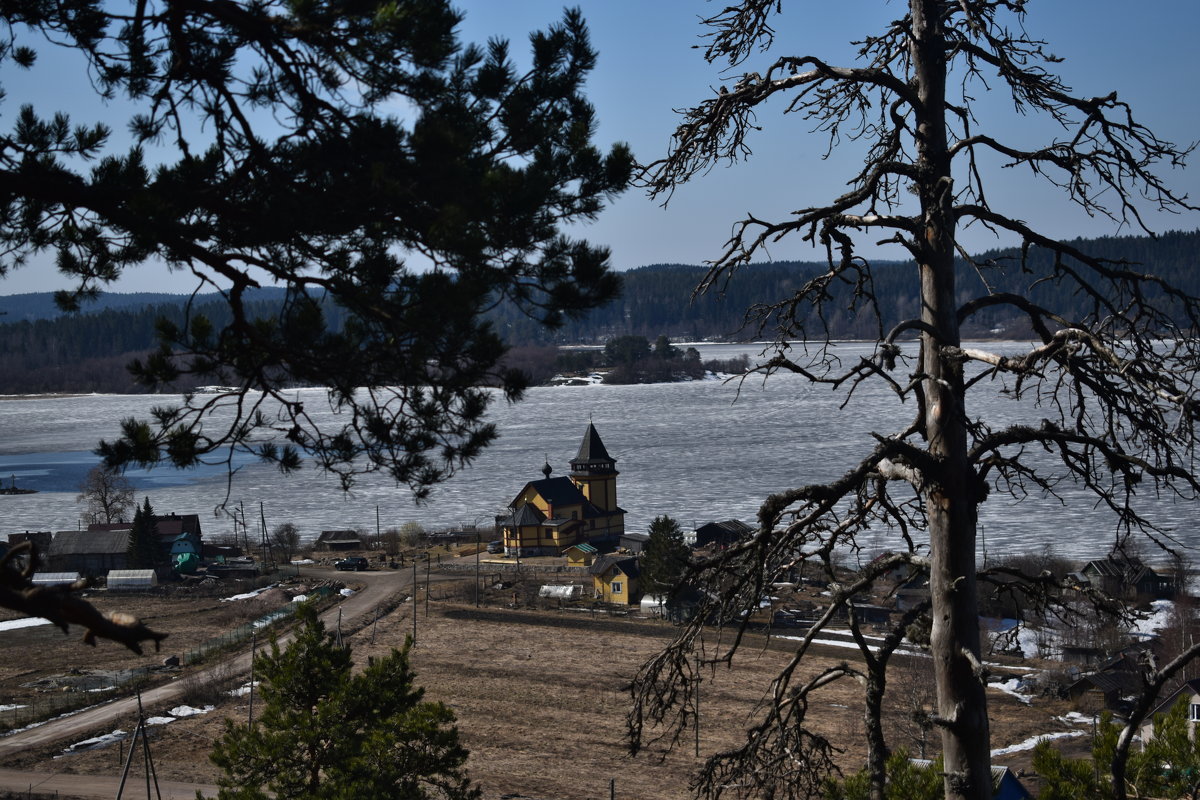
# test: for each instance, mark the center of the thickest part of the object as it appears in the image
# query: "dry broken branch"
(63, 607)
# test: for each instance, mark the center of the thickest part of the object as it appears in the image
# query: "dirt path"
(379, 586)
(94, 786)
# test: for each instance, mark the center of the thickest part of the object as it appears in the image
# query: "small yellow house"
(615, 579)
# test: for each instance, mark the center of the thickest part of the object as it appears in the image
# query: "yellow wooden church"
(552, 514)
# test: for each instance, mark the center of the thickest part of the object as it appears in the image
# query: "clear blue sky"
(648, 66)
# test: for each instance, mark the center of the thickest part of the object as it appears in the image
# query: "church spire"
(594, 471)
(592, 453)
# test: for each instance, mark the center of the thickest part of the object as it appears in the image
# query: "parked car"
(354, 563)
(495, 547)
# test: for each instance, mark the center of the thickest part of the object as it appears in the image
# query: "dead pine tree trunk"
(950, 494)
(877, 752)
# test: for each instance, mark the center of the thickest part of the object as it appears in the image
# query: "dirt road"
(378, 587)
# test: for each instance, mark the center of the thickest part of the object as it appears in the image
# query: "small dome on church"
(547, 469)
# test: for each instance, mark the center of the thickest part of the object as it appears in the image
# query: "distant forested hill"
(42, 350)
(657, 299)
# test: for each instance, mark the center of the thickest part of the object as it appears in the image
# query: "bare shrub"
(209, 686)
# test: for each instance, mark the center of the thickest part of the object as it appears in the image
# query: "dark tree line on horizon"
(88, 351)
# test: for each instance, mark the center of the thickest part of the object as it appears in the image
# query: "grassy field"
(540, 695)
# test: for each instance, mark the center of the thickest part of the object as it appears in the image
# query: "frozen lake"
(697, 451)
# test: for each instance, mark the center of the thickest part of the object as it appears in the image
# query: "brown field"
(540, 695)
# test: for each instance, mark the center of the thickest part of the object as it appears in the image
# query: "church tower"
(594, 471)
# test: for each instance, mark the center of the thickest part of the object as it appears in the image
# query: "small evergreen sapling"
(326, 732)
(143, 551)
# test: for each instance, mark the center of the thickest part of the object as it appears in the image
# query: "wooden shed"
(336, 541)
(581, 555)
(91, 553)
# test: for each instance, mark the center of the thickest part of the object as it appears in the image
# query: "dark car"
(355, 563)
(495, 547)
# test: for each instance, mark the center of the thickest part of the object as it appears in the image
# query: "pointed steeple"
(594, 471)
(592, 453)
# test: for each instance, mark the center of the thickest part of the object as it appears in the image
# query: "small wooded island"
(622, 360)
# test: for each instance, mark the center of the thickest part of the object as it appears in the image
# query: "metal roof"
(72, 543)
(559, 491)
(592, 452)
(626, 564)
(527, 514)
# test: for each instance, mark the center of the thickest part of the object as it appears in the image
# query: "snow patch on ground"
(1034, 741)
(40, 723)
(247, 595)
(189, 711)
(1161, 612)
(11, 707)
(97, 741)
(178, 712)
(300, 598)
(26, 622)
(1076, 718)
(1012, 686)
(264, 621)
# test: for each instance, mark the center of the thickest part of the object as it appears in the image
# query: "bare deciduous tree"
(286, 539)
(1104, 396)
(108, 494)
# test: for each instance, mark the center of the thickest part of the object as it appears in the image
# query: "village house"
(1113, 682)
(615, 579)
(549, 516)
(634, 543)
(721, 534)
(1188, 693)
(177, 533)
(1125, 578)
(338, 541)
(90, 553)
(1005, 785)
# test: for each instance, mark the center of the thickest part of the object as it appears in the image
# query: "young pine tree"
(143, 550)
(665, 556)
(328, 733)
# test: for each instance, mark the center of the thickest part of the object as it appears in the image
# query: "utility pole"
(245, 531)
(266, 541)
